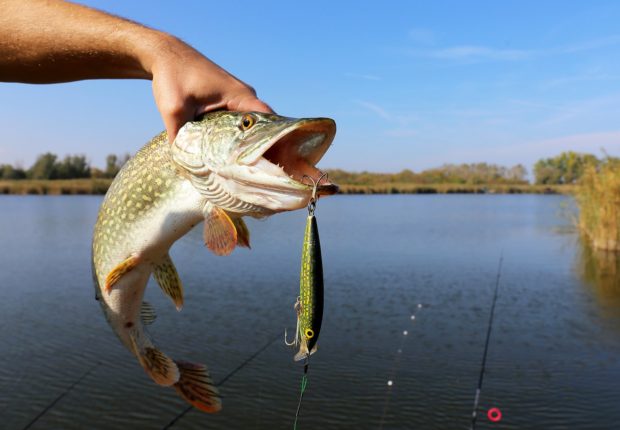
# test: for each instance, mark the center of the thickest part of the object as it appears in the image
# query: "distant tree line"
(566, 168)
(49, 166)
(469, 174)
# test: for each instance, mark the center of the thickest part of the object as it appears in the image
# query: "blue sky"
(410, 84)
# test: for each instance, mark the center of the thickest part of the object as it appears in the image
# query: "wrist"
(154, 49)
(142, 44)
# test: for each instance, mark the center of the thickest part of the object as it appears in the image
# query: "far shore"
(99, 186)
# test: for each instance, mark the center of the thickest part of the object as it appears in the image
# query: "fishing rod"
(496, 415)
(63, 394)
(226, 378)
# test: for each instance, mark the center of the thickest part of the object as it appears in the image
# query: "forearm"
(55, 41)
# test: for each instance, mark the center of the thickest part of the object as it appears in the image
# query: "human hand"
(186, 84)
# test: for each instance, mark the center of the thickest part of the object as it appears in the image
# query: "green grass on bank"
(100, 186)
(55, 186)
(406, 188)
(598, 197)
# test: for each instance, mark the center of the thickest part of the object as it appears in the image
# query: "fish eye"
(247, 122)
(309, 333)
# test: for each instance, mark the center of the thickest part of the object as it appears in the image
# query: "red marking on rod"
(494, 414)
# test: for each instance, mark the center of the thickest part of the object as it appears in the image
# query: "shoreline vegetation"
(73, 174)
(99, 186)
(55, 187)
(598, 198)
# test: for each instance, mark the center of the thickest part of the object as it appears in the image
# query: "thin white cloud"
(401, 132)
(591, 44)
(533, 150)
(477, 53)
(529, 104)
(422, 36)
(573, 79)
(401, 122)
(367, 77)
(527, 152)
(585, 142)
(581, 109)
(375, 109)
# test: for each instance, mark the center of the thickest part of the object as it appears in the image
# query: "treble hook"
(315, 185)
(297, 307)
(286, 342)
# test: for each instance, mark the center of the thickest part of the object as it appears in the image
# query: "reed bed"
(598, 198)
(600, 268)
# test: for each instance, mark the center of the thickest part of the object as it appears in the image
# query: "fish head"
(261, 160)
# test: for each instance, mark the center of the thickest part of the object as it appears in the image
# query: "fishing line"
(226, 378)
(304, 384)
(474, 414)
(63, 394)
(395, 368)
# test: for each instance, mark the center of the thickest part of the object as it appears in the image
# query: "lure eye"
(247, 122)
(309, 333)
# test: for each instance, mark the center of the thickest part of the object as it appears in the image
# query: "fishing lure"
(309, 305)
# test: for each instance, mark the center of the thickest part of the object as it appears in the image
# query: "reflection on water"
(600, 270)
(553, 362)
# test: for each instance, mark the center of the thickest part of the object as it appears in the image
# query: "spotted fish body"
(310, 308)
(146, 209)
(219, 169)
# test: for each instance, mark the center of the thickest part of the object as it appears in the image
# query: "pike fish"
(223, 167)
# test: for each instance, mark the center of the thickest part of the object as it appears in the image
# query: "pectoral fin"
(118, 272)
(220, 234)
(243, 234)
(168, 279)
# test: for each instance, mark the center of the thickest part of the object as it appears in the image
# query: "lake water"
(553, 360)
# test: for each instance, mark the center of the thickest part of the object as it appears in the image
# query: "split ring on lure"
(309, 305)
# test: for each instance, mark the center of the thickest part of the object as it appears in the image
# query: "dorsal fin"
(147, 313)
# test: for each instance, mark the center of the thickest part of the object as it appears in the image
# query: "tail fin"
(196, 387)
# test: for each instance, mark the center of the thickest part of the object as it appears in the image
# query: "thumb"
(252, 105)
(173, 123)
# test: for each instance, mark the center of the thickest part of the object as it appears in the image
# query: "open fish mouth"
(294, 152)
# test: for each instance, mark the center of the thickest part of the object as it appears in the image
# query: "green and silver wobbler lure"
(309, 305)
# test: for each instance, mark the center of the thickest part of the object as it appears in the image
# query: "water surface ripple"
(553, 361)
